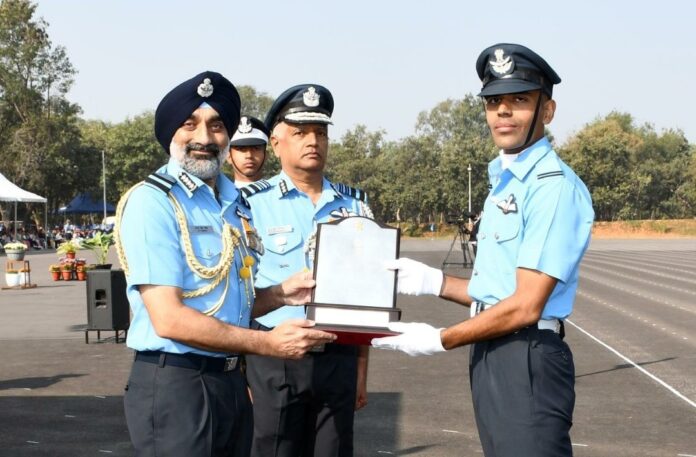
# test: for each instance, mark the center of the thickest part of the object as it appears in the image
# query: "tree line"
(632, 171)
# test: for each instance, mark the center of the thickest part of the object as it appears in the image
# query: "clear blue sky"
(384, 61)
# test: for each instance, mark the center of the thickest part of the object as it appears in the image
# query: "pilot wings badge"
(507, 206)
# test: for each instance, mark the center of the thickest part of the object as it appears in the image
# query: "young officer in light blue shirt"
(534, 231)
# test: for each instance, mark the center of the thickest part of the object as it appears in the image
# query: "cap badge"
(205, 89)
(502, 65)
(245, 126)
(311, 98)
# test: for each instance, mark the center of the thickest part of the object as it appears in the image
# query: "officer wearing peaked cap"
(534, 231)
(248, 150)
(182, 239)
(302, 407)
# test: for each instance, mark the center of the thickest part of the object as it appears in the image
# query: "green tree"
(254, 103)
(354, 161)
(457, 131)
(131, 150)
(37, 123)
(601, 155)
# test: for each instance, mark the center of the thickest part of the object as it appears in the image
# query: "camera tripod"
(463, 235)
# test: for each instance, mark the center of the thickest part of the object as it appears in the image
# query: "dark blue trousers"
(183, 412)
(523, 390)
(304, 408)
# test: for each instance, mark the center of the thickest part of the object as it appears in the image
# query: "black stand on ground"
(87, 330)
(463, 235)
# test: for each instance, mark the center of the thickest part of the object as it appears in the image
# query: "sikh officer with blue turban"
(185, 241)
(304, 407)
(534, 231)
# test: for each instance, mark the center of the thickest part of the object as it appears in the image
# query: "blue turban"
(208, 87)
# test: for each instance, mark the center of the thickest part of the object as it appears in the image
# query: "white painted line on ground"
(686, 455)
(635, 365)
(32, 442)
(581, 445)
(450, 431)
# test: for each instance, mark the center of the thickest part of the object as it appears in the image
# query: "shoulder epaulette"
(161, 181)
(550, 174)
(350, 191)
(249, 190)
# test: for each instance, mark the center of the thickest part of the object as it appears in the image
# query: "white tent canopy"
(10, 192)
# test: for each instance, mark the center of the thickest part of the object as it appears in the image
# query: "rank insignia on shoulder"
(283, 187)
(254, 187)
(350, 191)
(507, 206)
(187, 181)
(161, 181)
(549, 174)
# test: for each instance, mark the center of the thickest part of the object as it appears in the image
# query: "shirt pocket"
(507, 228)
(207, 247)
(282, 243)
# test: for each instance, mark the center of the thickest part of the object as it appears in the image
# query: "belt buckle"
(475, 308)
(318, 348)
(230, 363)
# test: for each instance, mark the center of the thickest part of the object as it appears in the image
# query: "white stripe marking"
(635, 365)
(686, 455)
(578, 444)
(450, 431)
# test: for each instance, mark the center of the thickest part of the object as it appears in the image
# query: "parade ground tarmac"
(633, 335)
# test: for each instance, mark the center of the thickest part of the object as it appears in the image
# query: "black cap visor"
(508, 86)
(248, 142)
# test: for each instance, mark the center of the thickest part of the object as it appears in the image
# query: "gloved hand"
(416, 278)
(416, 339)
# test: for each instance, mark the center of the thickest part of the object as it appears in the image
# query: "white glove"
(416, 278)
(416, 339)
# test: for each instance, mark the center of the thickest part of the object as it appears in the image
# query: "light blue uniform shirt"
(154, 250)
(539, 216)
(286, 218)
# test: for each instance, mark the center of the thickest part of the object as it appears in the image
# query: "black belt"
(189, 360)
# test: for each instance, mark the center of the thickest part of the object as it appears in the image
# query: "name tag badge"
(201, 229)
(279, 229)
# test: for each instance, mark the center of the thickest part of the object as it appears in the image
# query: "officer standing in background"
(248, 151)
(534, 231)
(302, 407)
(186, 245)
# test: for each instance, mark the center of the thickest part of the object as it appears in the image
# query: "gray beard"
(203, 169)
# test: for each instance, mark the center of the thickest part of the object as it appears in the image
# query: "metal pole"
(469, 170)
(104, 184)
